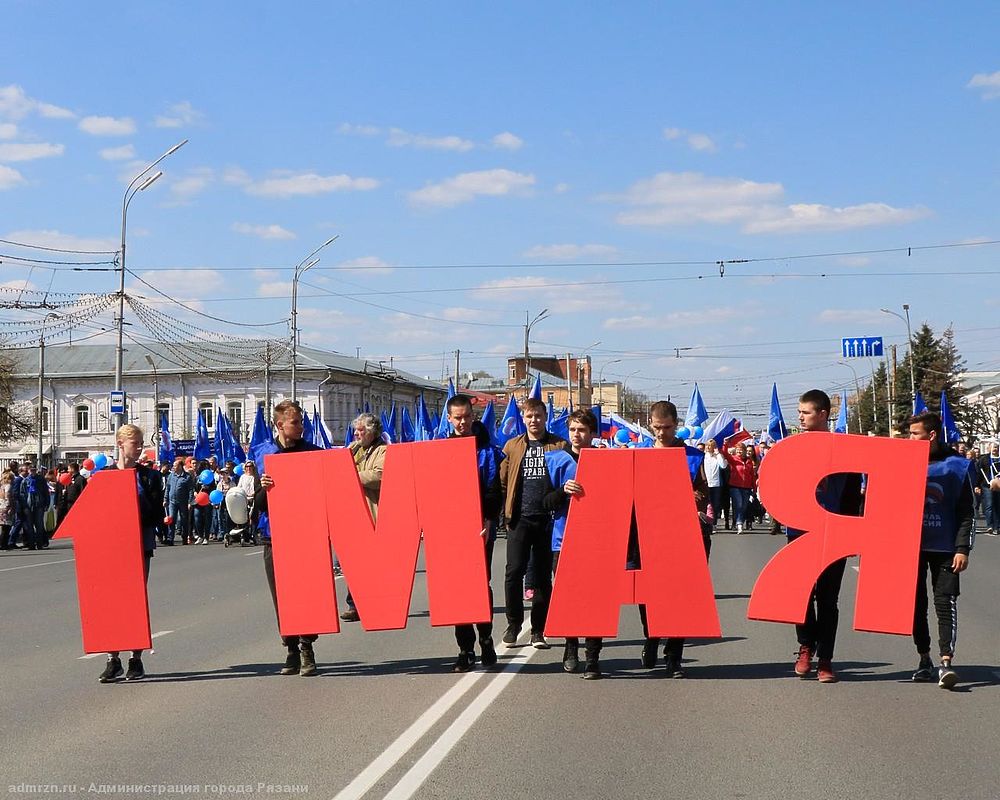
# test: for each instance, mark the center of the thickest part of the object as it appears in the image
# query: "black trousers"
(592, 644)
(819, 631)
(530, 536)
(291, 642)
(945, 586)
(465, 635)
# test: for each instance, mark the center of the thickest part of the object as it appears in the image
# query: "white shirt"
(714, 464)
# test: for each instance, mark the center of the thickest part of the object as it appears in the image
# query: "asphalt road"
(386, 718)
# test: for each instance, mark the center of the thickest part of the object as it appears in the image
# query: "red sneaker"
(824, 671)
(803, 664)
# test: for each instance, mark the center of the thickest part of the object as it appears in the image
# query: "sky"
(482, 162)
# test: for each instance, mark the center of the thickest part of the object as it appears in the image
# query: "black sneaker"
(112, 671)
(307, 660)
(592, 671)
(510, 635)
(135, 671)
(466, 660)
(571, 658)
(538, 642)
(489, 657)
(673, 666)
(293, 663)
(947, 677)
(925, 671)
(648, 657)
(351, 615)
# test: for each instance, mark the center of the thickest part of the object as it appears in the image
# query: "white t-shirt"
(714, 464)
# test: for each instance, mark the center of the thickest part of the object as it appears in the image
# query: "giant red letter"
(887, 537)
(107, 543)
(592, 582)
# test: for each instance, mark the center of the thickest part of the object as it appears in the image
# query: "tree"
(17, 420)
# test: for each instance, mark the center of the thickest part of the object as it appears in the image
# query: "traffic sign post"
(117, 402)
(861, 346)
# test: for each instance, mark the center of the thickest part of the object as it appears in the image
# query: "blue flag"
(260, 435)
(696, 414)
(386, 427)
(949, 429)
(443, 427)
(560, 425)
(425, 428)
(319, 436)
(238, 455)
(536, 387)
(919, 406)
(392, 422)
(489, 420)
(218, 440)
(550, 416)
(721, 427)
(202, 447)
(841, 426)
(511, 425)
(776, 430)
(348, 436)
(307, 428)
(165, 452)
(408, 433)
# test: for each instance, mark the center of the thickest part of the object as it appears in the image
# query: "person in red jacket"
(742, 480)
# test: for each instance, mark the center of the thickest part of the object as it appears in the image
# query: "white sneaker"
(204, 541)
(947, 677)
(739, 528)
(198, 540)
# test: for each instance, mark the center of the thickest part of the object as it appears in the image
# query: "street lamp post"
(139, 183)
(41, 389)
(301, 269)
(600, 379)
(527, 331)
(909, 347)
(625, 389)
(857, 392)
(156, 402)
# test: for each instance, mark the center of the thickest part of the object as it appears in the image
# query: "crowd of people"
(527, 488)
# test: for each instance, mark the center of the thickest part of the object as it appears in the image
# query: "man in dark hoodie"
(464, 423)
(945, 542)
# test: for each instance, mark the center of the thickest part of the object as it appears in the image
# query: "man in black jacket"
(463, 422)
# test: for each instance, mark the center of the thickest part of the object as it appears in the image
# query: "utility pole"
(267, 381)
(892, 431)
(41, 404)
(458, 364)
(569, 382)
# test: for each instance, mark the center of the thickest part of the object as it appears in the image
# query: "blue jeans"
(202, 521)
(181, 514)
(741, 499)
(993, 513)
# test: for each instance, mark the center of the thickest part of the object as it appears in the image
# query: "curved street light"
(139, 183)
(301, 269)
(909, 350)
(543, 314)
(600, 378)
(857, 392)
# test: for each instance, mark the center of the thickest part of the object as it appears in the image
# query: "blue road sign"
(861, 346)
(118, 402)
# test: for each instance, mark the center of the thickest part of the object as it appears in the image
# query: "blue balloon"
(216, 497)
(682, 433)
(238, 470)
(100, 461)
(206, 477)
(698, 432)
(622, 437)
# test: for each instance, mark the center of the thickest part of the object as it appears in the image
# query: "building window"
(513, 372)
(208, 412)
(78, 456)
(45, 419)
(83, 419)
(235, 413)
(162, 413)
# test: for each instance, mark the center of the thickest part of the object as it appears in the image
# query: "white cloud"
(65, 241)
(700, 142)
(266, 274)
(263, 231)
(988, 83)
(507, 141)
(370, 264)
(569, 252)
(108, 126)
(19, 284)
(555, 294)
(319, 326)
(561, 188)
(123, 153)
(854, 261)
(9, 178)
(839, 316)
(348, 129)
(191, 184)
(467, 186)
(182, 285)
(8, 130)
(689, 198)
(179, 115)
(275, 289)
(16, 104)
(29, 151)
(401, 138)
(674, 319)
(307, 183)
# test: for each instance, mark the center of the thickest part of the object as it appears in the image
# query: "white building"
(77, 380)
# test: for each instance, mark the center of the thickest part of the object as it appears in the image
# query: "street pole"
(909, 339)
(300, 269)
(458, 364)
(527, 330)
(600, 379)
(874, 397)
(267, 382)
(134, 187)
(156, 402)
(41, 404)
(569, 382)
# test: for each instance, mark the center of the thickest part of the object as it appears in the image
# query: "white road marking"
(374, 772)
(42, 564)
(95, 655)
(414, 778)
(254, 553)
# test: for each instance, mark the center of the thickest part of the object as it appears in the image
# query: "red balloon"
(202, 499)
(168, 520)
(151, 455)
(88, 463)
(65, 479)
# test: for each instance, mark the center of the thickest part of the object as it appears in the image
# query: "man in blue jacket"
(945, 542)
(180, 487)
(34, 501)
(464, 423)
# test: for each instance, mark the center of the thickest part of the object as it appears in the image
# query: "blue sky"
(521, 146)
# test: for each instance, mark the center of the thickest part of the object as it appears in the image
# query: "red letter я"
(887, 536)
